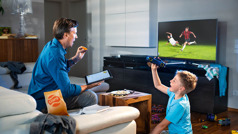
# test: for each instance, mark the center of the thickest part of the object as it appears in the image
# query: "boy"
(186, 33)
(171, 40)
(178, 109)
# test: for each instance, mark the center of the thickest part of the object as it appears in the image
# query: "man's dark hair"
(63, 25)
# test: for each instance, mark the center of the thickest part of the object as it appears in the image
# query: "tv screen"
(188, 40)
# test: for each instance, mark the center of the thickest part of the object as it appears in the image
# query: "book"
(93, 109)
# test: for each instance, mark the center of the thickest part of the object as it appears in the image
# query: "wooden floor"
(213, 127)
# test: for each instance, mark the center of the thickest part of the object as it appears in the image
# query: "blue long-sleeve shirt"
(50, 73)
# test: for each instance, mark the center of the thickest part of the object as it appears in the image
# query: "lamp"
(21, 7)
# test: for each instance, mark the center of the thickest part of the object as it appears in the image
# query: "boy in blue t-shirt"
(177, 116)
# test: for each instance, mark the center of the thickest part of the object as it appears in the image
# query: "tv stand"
(204, 99)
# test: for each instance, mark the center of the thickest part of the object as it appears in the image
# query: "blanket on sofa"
(53, 124)
(15, 68)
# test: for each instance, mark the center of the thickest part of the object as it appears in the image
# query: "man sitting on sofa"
(51, 69)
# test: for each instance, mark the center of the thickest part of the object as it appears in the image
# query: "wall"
(34, 22)
(73, 9)
(224, 11)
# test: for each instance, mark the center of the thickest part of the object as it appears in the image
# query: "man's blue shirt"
(178, 113)
(50, 73)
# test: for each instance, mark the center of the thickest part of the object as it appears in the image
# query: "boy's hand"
(149, 64)
(154, 67)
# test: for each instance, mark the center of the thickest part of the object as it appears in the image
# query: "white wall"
(224, 11)
(34, 22)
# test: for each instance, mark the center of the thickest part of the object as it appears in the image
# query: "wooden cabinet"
(24, 50)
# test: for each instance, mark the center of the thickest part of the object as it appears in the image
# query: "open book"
(93, 109)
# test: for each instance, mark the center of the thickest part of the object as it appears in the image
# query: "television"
(190, 40)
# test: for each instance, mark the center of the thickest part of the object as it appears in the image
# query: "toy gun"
(156, 60)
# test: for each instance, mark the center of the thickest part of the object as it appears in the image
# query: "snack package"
(55, 103)
(84, 48)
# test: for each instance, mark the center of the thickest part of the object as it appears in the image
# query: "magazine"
(92, 109)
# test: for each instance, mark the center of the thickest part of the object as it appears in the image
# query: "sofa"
(18, 109)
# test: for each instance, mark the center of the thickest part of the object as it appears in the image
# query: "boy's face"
(186, 29)
(168, 37)
(175, 84)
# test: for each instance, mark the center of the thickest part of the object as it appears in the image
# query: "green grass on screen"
(193, 51)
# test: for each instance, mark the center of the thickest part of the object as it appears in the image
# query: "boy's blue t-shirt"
(178, 113)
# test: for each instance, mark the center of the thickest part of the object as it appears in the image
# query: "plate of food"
(120, 92)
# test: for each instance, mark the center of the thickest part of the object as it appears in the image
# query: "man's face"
(175, 84)
(72, 35)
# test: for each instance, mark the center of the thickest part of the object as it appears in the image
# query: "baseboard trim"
(232, 109)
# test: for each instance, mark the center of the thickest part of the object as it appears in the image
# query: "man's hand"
(80, 53)
(94, 84)
(85, 87)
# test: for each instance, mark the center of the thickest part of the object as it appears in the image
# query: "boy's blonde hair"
(188, 80)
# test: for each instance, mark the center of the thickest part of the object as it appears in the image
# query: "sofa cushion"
(113, 116)
(6, 81)
(29, 67)
(24, 81)
(10, 122)
(124, 128)
(4, 70)
(14, 102)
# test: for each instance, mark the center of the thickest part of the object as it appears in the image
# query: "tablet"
(104, 75)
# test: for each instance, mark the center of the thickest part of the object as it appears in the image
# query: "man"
(186, 33)
(51, 69)
(171, 40)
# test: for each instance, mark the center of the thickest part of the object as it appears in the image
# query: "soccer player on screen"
(186, 33)
(171, 40)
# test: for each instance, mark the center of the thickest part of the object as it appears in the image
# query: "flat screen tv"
(192, 40)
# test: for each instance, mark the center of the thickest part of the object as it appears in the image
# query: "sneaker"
(195, 42)
(181, 50)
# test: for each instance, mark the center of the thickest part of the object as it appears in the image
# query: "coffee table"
(139, 100)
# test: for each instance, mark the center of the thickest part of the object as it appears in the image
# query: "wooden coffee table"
(139, 100)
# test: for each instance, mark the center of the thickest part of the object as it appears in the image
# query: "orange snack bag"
(84, 48)
(55, 103)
